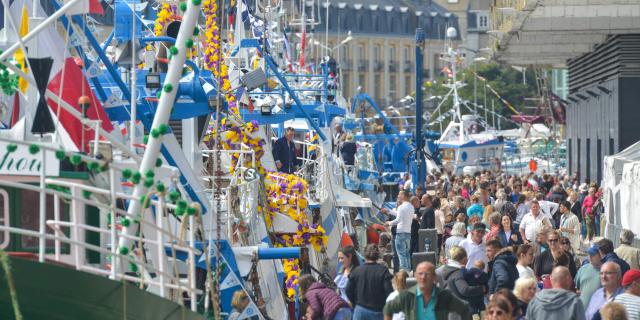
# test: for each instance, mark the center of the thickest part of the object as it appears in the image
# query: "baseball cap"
(593, 250)
(630, 276)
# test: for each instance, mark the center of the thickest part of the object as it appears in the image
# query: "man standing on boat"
(284, 152)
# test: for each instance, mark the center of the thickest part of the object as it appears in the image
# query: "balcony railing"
(346, 64)
(378, 65)
(363, 65)
(393, 66)
(408, 66)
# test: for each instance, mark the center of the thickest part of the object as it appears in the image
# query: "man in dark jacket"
(502, 266)
(348, 151)
(369, 285)
(454, 280)
(425, 300)
(605, 246)
(284, 152)
(427, 214)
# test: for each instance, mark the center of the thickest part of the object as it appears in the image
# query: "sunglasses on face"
(553, 240)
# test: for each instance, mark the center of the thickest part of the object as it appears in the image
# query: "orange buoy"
(346, 240)
(533, 165)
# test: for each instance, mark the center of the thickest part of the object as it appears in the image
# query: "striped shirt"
(631, 303)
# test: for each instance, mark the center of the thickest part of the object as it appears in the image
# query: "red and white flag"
(67, 81)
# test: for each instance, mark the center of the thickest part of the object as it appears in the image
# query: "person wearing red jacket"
(588, 214)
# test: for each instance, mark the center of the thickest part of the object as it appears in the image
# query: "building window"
(569, 149)
(407, 85)
(361, 54)
(346, 87)
(392, 54)
(483, 21)
(579, 163)
(560, 82)
(392, 88)
(362, 82)
(377, 85)
(588, 154)
(611, 146)
(406, 54)
(344, 52)
(599, 162)
(376, 53)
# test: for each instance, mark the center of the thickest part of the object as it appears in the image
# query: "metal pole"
(114, 235)
(43, 207)
(419, 140)
(475, 87)
(134, 102)
(493, 111)
(43, 25)
(163, 112)
(56, 217)
(159, 226)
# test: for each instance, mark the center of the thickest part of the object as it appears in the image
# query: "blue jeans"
(362, 313)
(343, 314)
(403, 247)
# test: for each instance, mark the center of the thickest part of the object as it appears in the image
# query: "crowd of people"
(508, 247)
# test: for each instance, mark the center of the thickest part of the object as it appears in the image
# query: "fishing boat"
(468, 144)
(137, 178)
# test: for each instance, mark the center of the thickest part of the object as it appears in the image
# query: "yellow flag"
(19, 55)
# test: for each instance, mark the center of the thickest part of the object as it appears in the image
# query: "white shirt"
(548, 208)
(439, 221)
(631, 303)
(525, 272)
(531, 224)
(475, 252)
(570, 221)
(404, 216)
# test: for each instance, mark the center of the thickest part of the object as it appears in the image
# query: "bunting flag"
(42, 122)
(287, 51)
(74, 86)
(15, 114)
(258, 27)
(303, 45)
(19, 56)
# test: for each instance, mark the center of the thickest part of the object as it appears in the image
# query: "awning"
(346, 198)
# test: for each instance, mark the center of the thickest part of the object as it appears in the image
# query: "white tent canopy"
(622, 189)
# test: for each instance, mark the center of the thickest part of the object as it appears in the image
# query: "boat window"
(448, 154)
(29, 217)
(4, 218)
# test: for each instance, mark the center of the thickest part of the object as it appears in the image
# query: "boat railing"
(244, 154)
(314, 169)
(67, 229)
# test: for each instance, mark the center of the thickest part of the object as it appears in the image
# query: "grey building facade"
(603, 115)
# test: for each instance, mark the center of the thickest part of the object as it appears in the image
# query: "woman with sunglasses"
(565, 244)
(499, 308)
(543, 265)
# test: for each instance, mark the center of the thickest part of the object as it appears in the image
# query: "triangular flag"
(19, 55)
(15, 114)
(42, 122)
(346, 240)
